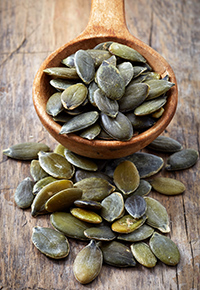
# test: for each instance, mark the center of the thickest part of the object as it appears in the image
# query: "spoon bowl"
(106, 23)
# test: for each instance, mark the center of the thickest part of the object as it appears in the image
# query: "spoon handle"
(107, 18)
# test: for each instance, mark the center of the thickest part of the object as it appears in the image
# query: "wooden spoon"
(107, 22)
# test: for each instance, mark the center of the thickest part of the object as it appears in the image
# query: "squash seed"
(150, 106)
(69, 225)
(136, 206)
(98, 56)
(74, 96)
(84, 65)
(88, 263)
(127, 224)
(140, 234)
(164, 249)
(126, 70)
(86, 215)
(143, 254)
(54, 105)
(61, 84)
(82, 174)
(126, 177)
(100, 233)
(62, 72)
(91, 132)
(140, 123)
(117, 254)
(106, 105)
(112, 206)
(41, 183)
(60, 149)
(167, 186)
(25, 151)
(143, 189)
(165, 144)
(36, 171)
(63, 199)
(158, 87)
(50, 242)
(157, 215)
(88, 204)
(24, 193)
(94, 188)
(69, 60)
(103, 45)
(183, 159)
(80, 161)
(56, 165)
(38, 205)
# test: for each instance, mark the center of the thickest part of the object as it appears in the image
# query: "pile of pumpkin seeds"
(108, 92)
(102, 202)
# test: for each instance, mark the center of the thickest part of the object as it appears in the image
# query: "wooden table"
(30, 31)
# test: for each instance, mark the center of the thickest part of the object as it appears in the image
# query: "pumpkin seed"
(140, 234)
(84, 65)
(112, 206)
(107, 106)
(140, 123)
(100, 233)
(38, 205)
(150, 106)
(157, 215)
(126, 70)
(165, 144)
(63, 199)
(36, 171)
(50, 242)
(143, 255)
(56, 165)
(59, 149)
(24, 193)
(164, 249)
(61, 84)
(110, 81)
(167, 186)
(54, 105)
(41, 183)
(117, 254)
(136, 206)
(158, 87)
(69, 60)
(25, 151)
(81, 174)
(183, 159)
(79, 161)
(99, 56)
(80, 122)
(127, 224)
(138, 70)
(74, 96)
(86, 215)
(91, 89)
(119, 128)
(103, 45)
(69, 225)
(88, 204)
(94, 188)
(157, 114)
(151, 75)
(112, 60)
(126, 52)
(126, 177)
(88, 263)
(62, 72)
(91, 132)
(143, 189)
(62, 117)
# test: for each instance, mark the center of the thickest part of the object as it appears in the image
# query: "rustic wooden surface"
(30, 31)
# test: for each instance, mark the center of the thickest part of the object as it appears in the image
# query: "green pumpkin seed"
(164, 249)
(50, 242)
(151, 75)
(91, 89)
(80, 122)
(36, 171)
(62, 72)
(157, 215)
(119, 128)
(112, 60)
(59, 149)
(38, 205)
(56, 165)
(110, 81)
(63, 117)
(88, 263)
(100, 233)
(86, 215)
(143, 189)
(88, 204)
(183, 159)
(69, 60)
(140, 123)
(81, 174)
(142, 233)
(25, 151)
(138, 79)
(165, 144)
(127, 224)
(41, 183)
(107, 106)
(126, 52)
(91, 132)
(138, 70)
(69, 225)
(126, 70)
(74, 96)
(63, 200)
(136, 206)
(99, 56)
(167, 186)
(24, 193)
(54, 105)
(112, 206)
(135, 94)
(103, 45)
(117, 254)
(84, 65)
(151, 106)
(126, 177)
(61, 84)
(95, 188)
(80, 161)
(143, 255)
(158, 87)
(157, 114)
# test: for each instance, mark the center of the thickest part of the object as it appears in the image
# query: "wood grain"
(30, 30)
